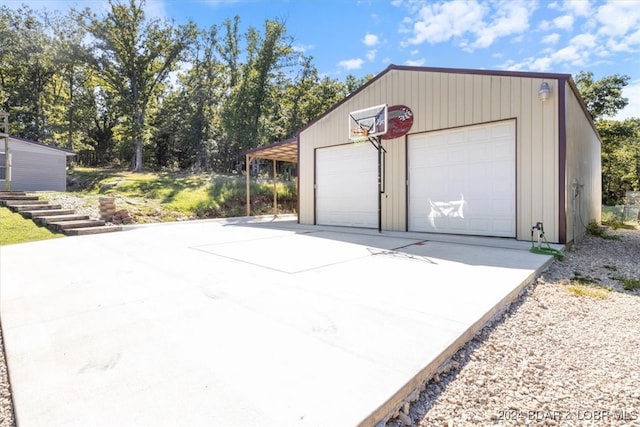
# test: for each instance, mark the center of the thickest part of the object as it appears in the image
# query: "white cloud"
(569, 54)
(470, 23)
(544, 25)
(577, 7)
(415, 62)
(371, 55)
(512, 18)
(351, 64)
(303, 48)
(584, 41)
(632, 92)
(564, 22)
(405, 26)
(551, 38)
(617, 18)
(370, 40)
(440, 22)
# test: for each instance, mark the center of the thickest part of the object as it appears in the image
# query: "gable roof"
(392, 67)
(43, 145)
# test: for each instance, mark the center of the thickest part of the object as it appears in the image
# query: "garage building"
(488, 153)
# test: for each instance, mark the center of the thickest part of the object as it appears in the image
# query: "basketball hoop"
(367, 123)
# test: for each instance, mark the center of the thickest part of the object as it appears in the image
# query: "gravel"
(566, 353)
(559, 356)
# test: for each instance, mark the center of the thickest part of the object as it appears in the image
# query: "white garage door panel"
(347, 186)
(462, 181)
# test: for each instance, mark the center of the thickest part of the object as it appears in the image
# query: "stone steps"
(52, 216)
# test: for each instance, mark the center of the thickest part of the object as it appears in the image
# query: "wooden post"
(248, 168)
(275, 190)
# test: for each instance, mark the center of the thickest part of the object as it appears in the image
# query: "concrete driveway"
(242, 323)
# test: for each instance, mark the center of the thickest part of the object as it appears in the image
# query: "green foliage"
(15, 229)
(603, 97)
(99, 83)
(597, 230)
(166, 196)
(27, 71)
(631, 284)
(583, 280)
(620, 159)
(135, 56)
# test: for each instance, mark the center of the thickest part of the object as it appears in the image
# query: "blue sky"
(362, 37)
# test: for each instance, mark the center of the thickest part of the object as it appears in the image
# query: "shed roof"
(41, 144)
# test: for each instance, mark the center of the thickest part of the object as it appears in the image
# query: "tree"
(257, 86)
(26, 72)
(603, 97)
(134, 57)
(620, 159)
(70, 101)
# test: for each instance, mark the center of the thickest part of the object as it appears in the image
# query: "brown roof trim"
(484, 72)
(393, 67)
(574, 89)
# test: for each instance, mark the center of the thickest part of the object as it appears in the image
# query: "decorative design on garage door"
(463, 180)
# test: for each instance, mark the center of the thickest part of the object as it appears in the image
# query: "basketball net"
(359, 136)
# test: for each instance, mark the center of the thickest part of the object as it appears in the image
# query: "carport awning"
(284, 151)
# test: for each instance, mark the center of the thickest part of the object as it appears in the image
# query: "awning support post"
(248, 174)
(275, 190)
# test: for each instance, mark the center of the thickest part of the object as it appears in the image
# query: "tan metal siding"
(441, 100)
(583, 165)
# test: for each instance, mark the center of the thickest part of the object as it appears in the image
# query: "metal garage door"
(463, 180)
(347, 186)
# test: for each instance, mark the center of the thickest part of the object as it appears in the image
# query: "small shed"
(486, 153)
(34, 166)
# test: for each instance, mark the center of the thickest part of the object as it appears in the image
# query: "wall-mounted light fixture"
(544, 92)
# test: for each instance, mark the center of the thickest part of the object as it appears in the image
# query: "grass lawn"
(15, 229)
(166, 196)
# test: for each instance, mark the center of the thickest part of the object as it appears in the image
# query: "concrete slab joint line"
(251, 323)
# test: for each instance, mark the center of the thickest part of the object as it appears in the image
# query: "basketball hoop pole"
(370, 124)
(377, 142)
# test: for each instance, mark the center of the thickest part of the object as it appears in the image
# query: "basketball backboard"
(368, 122)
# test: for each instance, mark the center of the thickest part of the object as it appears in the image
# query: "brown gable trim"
(562, 161)
(505, 73)
(393, 67)
(575, 90)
